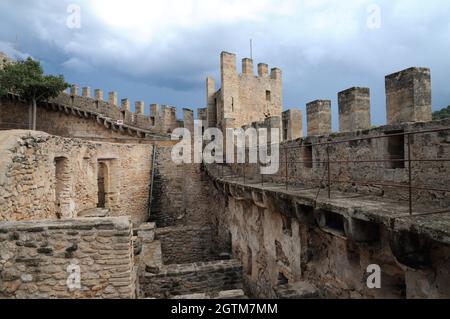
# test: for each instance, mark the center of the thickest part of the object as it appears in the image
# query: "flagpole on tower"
(251, 49)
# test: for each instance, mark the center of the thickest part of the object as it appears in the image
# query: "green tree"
(26, 78)
(442, 114)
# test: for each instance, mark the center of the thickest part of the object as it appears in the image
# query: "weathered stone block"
(247, 66)
(408, 96)
(98, 94)
(319, 117)
(354, 109)
(112, 98)
(139, 107)
(292, 125)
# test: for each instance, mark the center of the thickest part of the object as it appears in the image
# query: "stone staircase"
(298, 290)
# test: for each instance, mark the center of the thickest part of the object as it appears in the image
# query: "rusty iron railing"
(328, 164)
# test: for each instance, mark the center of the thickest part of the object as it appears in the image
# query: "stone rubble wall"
(175, 280)
(39, 258)
(180, 193)
(183, 245)
(28, 177)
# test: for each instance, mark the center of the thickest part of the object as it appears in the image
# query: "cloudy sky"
(161, 51)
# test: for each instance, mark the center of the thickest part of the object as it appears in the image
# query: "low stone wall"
(183, 245)
(81, 258)
(176, 280)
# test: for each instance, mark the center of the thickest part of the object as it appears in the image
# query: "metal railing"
(325, 166)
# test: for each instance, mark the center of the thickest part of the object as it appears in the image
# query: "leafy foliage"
(26, 78)
(442, 114)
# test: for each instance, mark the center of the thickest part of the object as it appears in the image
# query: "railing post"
(286, 162)
(259, 164)
(410, 175)
(329, 172)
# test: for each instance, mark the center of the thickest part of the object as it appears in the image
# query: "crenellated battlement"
(408, 100)
(160, 119)
(245, 97)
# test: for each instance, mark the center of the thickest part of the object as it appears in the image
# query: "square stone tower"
(244, 97)
(354, 109)
(408, 96)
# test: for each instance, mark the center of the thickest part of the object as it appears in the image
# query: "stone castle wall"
(34, 163)
(284, 236)
(38, 259)
(14, 115)
(285, 228)
(307, 162)
(92, 118)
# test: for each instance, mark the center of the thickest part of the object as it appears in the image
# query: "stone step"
(227, 294)
(188, 279)
(95, 213)
(298, 290)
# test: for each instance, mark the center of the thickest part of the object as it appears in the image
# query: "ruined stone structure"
(93, 207)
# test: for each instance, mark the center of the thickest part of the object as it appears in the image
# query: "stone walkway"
(392, 213)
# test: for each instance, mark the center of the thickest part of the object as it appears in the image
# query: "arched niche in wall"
(107, 183)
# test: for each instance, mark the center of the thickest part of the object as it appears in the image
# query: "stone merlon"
(247, 66)
(408, 96)
(112, 98)
(319, 117)
(98, 94)
(354, 109)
